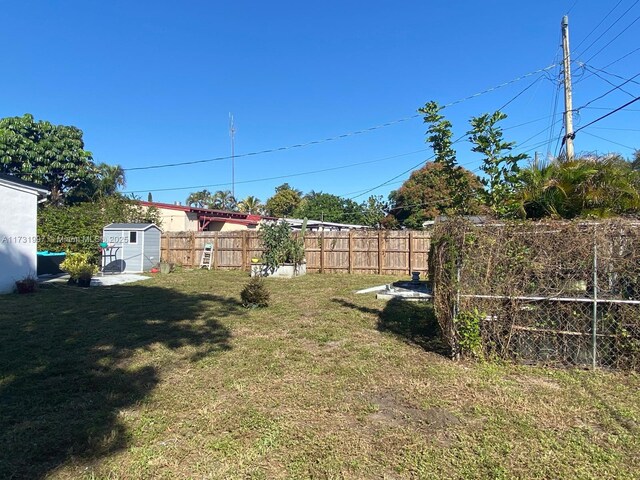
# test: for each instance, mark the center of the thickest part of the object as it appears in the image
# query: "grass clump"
(255, 294)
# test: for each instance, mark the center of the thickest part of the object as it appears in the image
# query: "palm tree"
(111, 178)
(251, 205)
(588, 186)
(223, 200)
(201, 199)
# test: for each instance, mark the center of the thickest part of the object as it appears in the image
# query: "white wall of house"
(18, 234)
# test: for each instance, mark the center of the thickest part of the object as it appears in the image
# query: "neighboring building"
(18, 230)
(319, 226)
(132, 247)
(183, 218)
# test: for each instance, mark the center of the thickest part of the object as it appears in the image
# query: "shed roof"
(130, 226)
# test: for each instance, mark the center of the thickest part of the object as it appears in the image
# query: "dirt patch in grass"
(391, 412)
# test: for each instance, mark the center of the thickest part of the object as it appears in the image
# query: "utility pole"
(568, 103)
(232, 134)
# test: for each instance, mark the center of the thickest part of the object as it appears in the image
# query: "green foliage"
(251, 205)
(329, 208)
(374, 211)
(279, 244)
(220, 200)
(500, 170)
(255, 293)
(284, 201)
(439, 136)
(50, 155)
(427, 194)
(597, 187)
(468, 331)
(78, 266)
(78, 228)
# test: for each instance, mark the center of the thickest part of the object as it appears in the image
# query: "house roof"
(211, 213)
(39, 189)
(318, 224)
(130, 226)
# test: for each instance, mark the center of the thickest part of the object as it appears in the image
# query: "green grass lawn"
(173, 378)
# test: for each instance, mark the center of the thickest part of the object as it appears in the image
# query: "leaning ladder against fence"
(207, 256)
(552, 293)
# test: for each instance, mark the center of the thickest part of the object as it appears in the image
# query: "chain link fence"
(562, 293)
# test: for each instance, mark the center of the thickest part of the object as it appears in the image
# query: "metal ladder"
(207, 256)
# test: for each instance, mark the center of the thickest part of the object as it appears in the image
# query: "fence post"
(410, 252)
(380, 247)
(351, 233)
(193, 249)
(322, 251)
(594, 326)
(244, 250)
(215, 251)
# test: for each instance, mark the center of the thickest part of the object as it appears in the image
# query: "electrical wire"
(607, 115)
(610, 141)
(577, 47)
(594, 72)
(341, 167)
(406, 171)
(616, 87)
(337, 137)
(614, 38)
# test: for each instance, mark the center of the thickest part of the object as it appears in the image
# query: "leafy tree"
(329, 208)
(50, 155)
(201, 199)
(427, 193)
(284, 201)
(439, 136)
(500, 170)
(78, 228)
(374, 211)
(251, 205)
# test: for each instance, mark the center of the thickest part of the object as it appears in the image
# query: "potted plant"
(79, 268)
(283, 254)
(27, 284)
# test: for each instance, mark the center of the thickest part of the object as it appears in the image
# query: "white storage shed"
(131, 247)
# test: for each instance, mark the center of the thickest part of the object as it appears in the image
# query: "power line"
(622, 57)
(337, 137)
(616, 87)
(591, 67)
(610, 141)
(577, 47)
(521, 92)
(594, 72)
(607, 115)
(616, 37)
(281, 176)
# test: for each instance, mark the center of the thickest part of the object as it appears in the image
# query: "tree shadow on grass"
(66, 366)
(412, 322)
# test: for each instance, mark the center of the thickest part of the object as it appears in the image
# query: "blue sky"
(154, 82)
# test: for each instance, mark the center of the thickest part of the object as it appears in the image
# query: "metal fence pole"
(595, 301)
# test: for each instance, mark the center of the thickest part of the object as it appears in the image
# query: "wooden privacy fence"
(356, 251)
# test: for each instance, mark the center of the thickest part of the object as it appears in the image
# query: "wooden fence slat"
(355, 251)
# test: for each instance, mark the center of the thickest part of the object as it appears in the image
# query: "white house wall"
(18, 235)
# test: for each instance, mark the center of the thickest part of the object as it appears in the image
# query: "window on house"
(133, 237)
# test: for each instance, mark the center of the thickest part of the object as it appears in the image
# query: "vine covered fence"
(562, 293)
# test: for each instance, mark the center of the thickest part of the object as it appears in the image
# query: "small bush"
(78, 266)
(255, 294)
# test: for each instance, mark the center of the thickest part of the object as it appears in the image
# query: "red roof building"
(184, 218)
